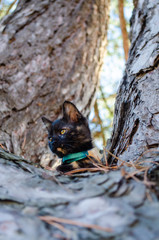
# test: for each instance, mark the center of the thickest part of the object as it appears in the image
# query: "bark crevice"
(139, 88)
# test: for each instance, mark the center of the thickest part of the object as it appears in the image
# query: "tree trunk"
(136, 121)
(49, 51)
(123, 28)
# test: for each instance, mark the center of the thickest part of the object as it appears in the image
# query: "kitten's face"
(69, 134)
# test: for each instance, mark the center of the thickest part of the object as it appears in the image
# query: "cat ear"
(70, 112)
(47, 123)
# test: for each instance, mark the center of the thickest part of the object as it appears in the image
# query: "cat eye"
(63, 131)
(50, 139)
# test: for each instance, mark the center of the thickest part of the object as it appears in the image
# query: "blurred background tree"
(112, 71)
(7, 6)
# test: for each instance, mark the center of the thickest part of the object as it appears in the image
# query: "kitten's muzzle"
(53, 145)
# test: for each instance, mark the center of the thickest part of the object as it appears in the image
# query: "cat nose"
(53, 143)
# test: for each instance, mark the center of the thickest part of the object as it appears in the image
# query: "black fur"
(77, 136)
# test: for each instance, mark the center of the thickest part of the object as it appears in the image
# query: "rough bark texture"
(49, 51)
(119, 208)
(113, 205)
(136, 121)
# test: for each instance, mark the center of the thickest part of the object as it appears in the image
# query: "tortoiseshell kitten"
(69, 135)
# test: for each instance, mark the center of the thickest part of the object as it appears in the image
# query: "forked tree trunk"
(136, 121)
(49, 51)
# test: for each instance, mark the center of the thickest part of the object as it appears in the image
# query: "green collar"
(73, 157)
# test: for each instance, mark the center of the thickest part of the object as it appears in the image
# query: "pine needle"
(50, 219)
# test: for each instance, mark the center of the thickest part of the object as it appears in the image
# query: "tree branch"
(123, 28)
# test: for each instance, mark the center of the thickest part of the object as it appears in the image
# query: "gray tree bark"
(99, 206)
(49, 51)
(107, 206)
(136, 121)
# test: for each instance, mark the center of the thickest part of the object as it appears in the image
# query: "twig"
(96, 110)
(59, 226)
(128, 164)
(75, 223)
(150, 161)
(10, 7)
(105, 157)
(146, 182)
(123, 28)
(101, 167)
(150, 150)
(3, 147)
(129, 175)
